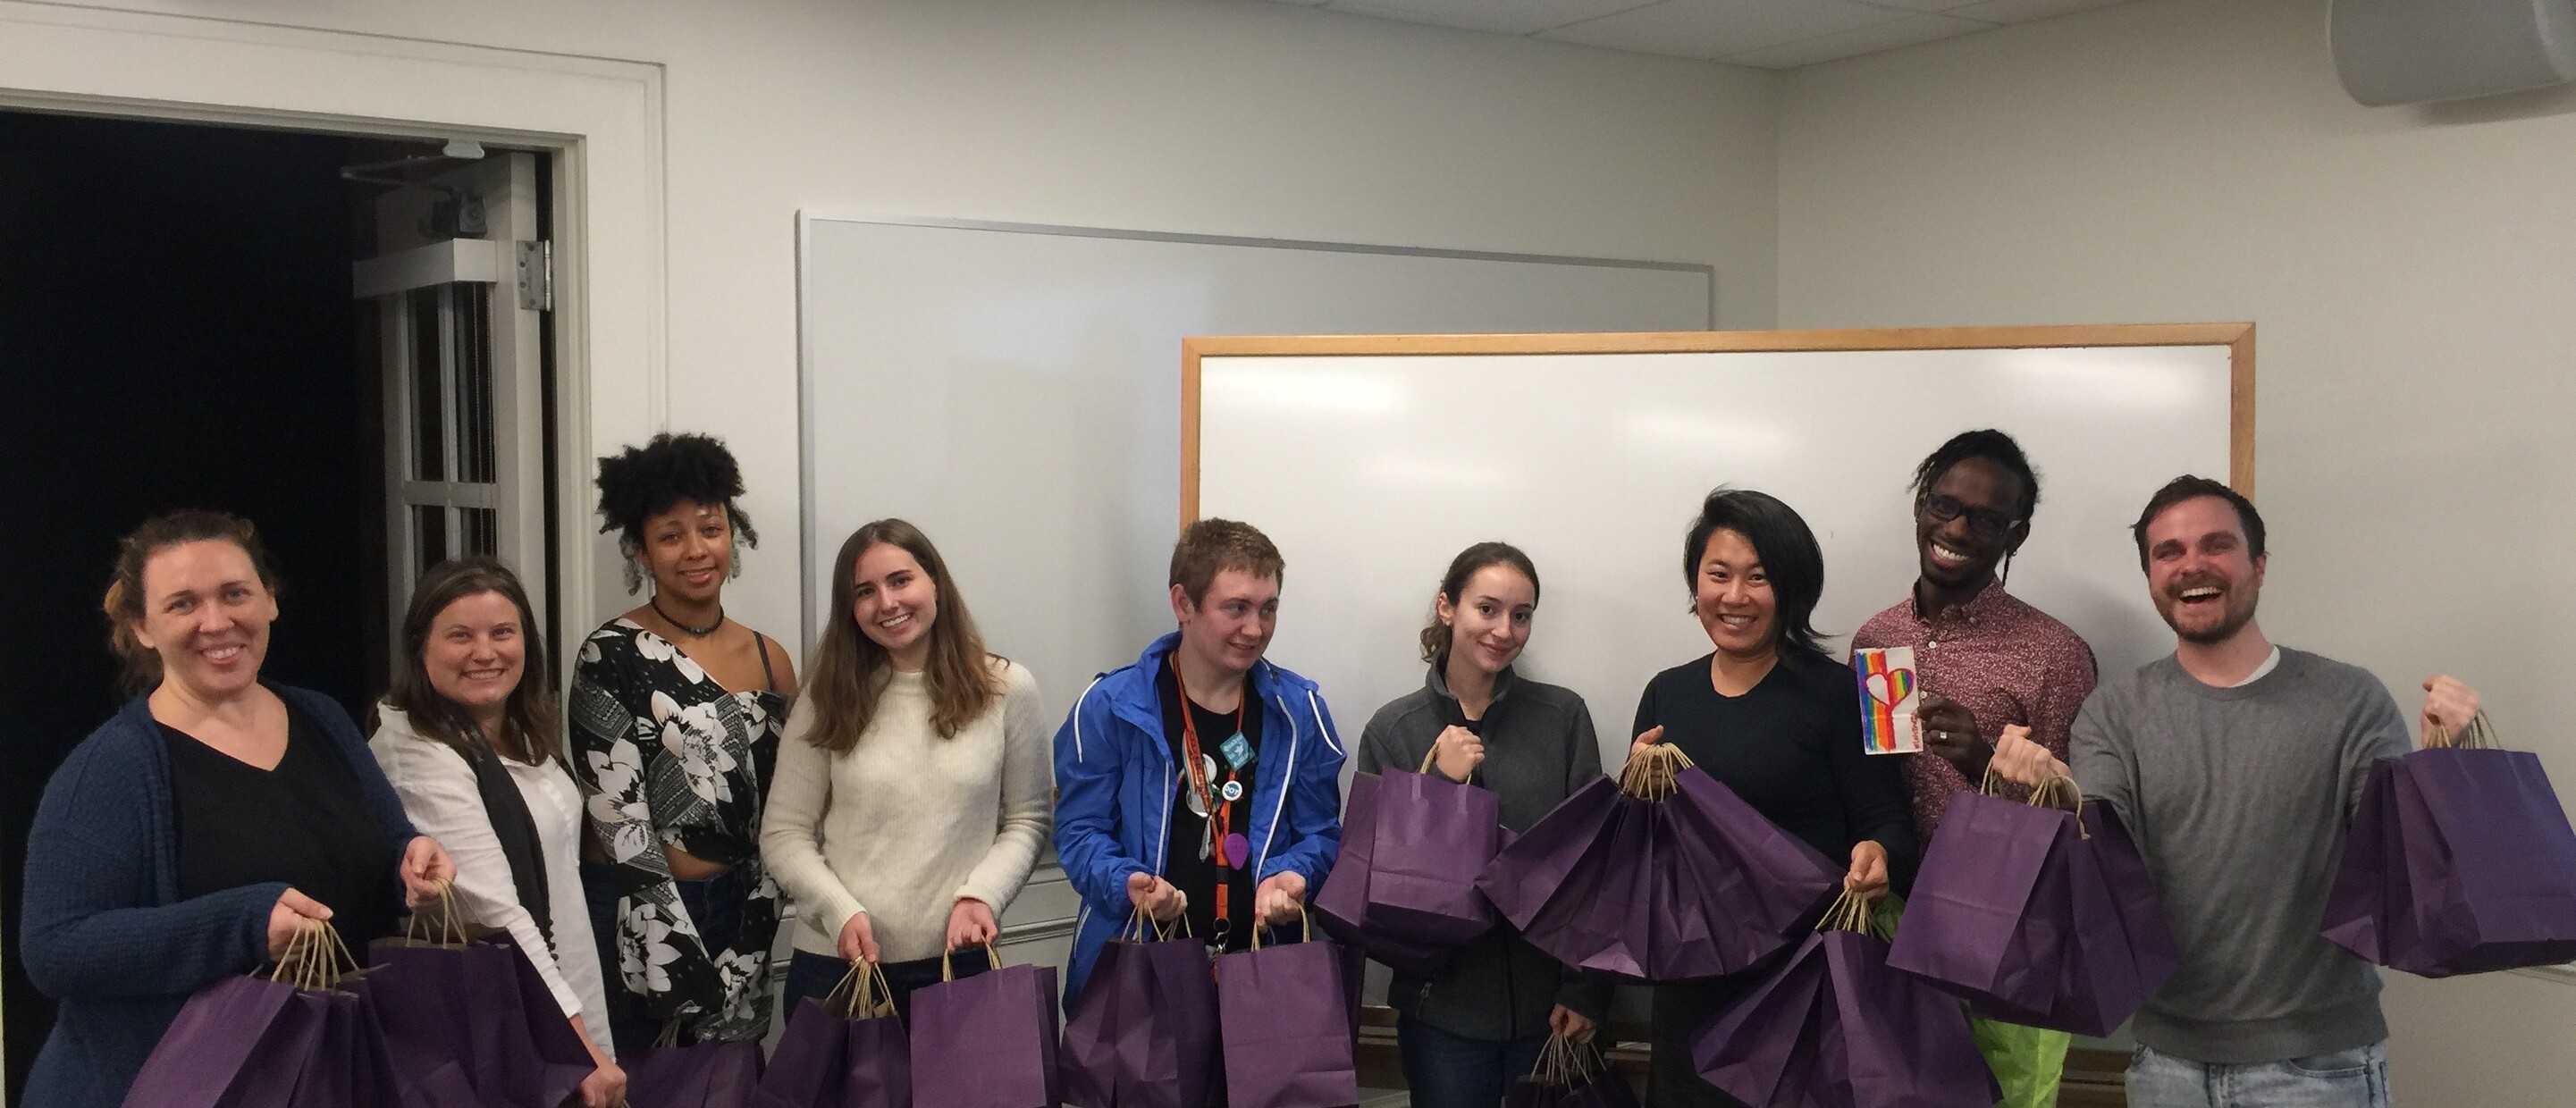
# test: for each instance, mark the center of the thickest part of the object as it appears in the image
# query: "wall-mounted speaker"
(2413, 51)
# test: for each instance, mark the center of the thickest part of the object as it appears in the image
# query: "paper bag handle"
(2477, 735)
(948, 967)
(1306, 921)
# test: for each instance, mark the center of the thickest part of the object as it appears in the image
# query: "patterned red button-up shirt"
(2006, 661)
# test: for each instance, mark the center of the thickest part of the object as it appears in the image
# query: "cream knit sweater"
(906, 823)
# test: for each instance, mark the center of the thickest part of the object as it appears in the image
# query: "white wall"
(1188, 115)
(2410, 271)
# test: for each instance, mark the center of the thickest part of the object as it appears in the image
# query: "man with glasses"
(1984, 660)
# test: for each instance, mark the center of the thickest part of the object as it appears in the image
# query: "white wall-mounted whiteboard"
(1372, 462)
(1014, 389)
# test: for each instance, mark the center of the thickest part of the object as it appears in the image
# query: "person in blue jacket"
(1202, 782)
(192, 836)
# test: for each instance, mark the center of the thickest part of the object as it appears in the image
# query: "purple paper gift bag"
(1989, 915)
(1341, 905)
(1434, 836)
(2475, 860)
(1678, 880)
(703, 1075)
(987, 1041)
(1144, 1032)
(1834, 1025)
(1288, 1018)
(218, 1031)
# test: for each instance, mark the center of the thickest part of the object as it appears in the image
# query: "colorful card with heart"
(1889, 698)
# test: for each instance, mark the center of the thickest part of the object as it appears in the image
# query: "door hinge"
(537, 276)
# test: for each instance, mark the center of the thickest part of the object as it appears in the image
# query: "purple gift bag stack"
(468, 1021)
(1290, 1023)
(294, 1038)
(1570, 1076)
(846, 1050)
(2459, 861)
(1403, 888)
(1665, 875)
(987, 1041)
(1144, 1032)
(1834, 1027)
(2037, 915)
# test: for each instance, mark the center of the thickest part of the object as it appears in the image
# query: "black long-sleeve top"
(1791, 748)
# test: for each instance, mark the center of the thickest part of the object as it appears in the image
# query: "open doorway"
(181, 325)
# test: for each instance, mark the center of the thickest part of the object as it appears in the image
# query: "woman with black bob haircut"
(198, 831)
(1466, 1031)
(676, 711)
(468, 736)
(1775, 718)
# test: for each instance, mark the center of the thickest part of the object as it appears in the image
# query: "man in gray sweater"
(2235, 765)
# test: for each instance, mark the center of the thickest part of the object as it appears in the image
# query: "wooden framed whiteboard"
(1371, 460)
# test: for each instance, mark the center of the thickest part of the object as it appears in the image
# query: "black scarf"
(512, 825)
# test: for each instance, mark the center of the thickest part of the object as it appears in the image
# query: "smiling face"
(1733, 596)
(1490, 621)
(476, 652)
(1230, 627)
(1983, 500)
(207, 614)
(895, 602)
(2199, 572)
(689, 550)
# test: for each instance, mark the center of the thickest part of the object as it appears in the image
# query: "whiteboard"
(1014, 389)
(1372, 468)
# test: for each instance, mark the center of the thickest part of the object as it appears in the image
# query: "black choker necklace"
(693, 632)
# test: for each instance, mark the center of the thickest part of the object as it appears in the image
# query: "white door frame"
(602, 117)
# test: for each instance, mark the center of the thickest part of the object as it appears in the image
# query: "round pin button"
(1233, 790)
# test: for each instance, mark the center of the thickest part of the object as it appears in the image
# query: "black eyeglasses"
(1983, 521)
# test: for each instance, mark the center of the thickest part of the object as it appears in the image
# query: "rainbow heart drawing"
(1888, 699)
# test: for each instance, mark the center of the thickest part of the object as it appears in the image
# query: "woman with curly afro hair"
(675, 713)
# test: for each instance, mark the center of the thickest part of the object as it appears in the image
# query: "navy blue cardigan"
(103, 928)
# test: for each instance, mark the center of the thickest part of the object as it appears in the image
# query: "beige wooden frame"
(2237, 337)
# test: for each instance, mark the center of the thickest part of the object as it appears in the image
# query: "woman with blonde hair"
(468, 737)
(914, 784)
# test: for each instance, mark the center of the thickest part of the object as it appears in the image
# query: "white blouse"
(438, 792)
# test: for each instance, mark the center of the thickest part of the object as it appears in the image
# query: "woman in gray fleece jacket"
(1465, 1033)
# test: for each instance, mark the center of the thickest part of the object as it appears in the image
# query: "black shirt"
(304, 823)
(1791, 748)
(1182, 865)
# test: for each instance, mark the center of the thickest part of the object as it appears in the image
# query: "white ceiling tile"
(2024, 11)
(1713, 28)
(1909, 30)
(1510, 17)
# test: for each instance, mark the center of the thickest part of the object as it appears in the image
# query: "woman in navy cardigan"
(191, 836)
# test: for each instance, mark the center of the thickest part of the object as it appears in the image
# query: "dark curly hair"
(1992, 445)
(641, 482)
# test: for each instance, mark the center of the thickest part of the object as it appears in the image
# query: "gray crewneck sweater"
(2238, 797)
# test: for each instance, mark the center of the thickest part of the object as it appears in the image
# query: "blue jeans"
(814, 975)
(2356, 1078)
(1442, 1070)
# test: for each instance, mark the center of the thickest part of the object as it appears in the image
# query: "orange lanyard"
(1220, 812)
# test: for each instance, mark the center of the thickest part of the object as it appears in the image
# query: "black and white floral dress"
(669, 756)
